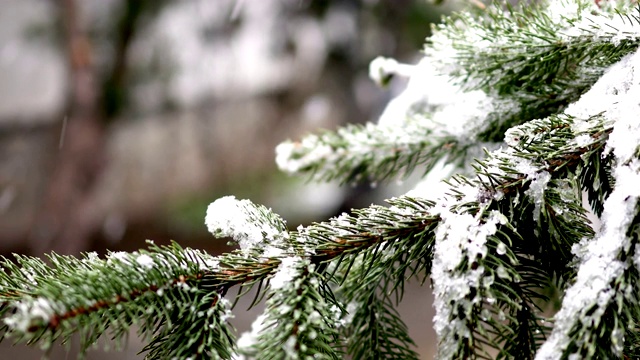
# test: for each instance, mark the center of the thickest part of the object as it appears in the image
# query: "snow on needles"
(459, 236)
(31, 312)
(249, 338)
(382, 69)
(289, 160)
(242, 220)
(145, 261)
(617, 94)
(287, 271)
(452, 110)
(600, 20)
(431, 107)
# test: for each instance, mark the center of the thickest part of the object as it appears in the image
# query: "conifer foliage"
(526, 109)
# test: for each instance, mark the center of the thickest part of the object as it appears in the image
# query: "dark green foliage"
(494, 244)
(387, 152)
(199, 331)
(299, 322)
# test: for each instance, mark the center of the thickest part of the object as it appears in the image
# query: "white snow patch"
(625, 137)
(91, 258)
(583, 140)
(289, 348)
(599, 265)
(603, 24)
(562, 10)
(432, 185)
(291, 156)
(416, 95)
(226, 305)
(381, 70)
(145, 261)
(615, 94)
(536, 190)
(249, 338)
(453, 110)
(239, 219)
(287, 271)
(273, 252)
(30, 312)
(118, 255)
(616, 82)
(458, 236)
(348, 315)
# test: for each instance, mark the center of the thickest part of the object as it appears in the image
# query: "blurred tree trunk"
(66, 217)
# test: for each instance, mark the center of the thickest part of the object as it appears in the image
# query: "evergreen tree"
(544, 96)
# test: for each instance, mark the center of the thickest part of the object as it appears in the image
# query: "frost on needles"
(520, 111)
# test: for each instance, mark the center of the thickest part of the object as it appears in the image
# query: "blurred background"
(121, 120)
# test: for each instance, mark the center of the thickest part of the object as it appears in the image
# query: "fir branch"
(546, 48)
(366, 153)
(598, 305)
(372, 325)
(320, 242)
(537, 167)
(605, 296)
(137, 277)
(489, 244)
(510, 74)
(566, 154)
(298, 320)
(73, 296)
(200, 331)
(90, 295)
(377, 331)
(541, 56)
